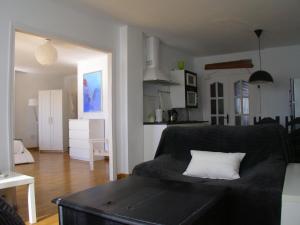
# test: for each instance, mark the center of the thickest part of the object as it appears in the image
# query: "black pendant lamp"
(260, 76)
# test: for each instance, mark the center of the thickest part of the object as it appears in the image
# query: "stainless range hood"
(153, 72)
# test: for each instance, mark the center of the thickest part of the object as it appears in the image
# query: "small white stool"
(94, 152)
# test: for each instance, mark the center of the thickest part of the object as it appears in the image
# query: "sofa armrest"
(267, 173)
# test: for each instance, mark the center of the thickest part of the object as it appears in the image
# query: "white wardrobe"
(51, 120)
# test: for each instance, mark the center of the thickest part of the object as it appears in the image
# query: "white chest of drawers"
(81, 131)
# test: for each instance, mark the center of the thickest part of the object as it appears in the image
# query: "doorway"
(228, 99)
(38, 87)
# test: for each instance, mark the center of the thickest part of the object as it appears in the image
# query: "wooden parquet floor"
(51, 220)
(56, 175)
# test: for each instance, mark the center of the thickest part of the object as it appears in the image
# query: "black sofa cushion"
(255, 198)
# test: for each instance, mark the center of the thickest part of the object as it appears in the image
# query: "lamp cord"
(259, 53)
(35, 115)
(259, 88)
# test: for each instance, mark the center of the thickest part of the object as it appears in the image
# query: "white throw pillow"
(214, 165)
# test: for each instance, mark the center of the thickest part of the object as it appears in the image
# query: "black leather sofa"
(255, 198)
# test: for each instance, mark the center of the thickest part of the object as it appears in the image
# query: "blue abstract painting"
(92, 92)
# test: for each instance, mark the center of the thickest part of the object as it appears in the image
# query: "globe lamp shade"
(46, 54)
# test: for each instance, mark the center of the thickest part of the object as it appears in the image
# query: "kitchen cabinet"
(184, 94)
(153, 132)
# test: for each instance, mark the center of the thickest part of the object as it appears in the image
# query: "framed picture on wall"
(92, 92)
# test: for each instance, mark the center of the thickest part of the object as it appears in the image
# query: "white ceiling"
(68, 56)
(207, 27)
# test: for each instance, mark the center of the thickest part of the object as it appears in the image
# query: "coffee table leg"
(31, 203)
(91, 156)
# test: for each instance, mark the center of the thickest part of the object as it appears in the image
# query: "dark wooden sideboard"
(139, 200)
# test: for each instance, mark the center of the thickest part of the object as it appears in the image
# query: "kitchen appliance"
(191, 90)
(153, 72)
(158, 115)
(191, 99)
(183, 95)
(191, 79)
(173, 115)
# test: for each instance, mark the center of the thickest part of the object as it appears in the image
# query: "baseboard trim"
(33, 149)
(52, 151)
(122, 175)
(96, 158)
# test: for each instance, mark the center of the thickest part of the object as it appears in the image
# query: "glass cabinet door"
(228, 100)
(217, 107)
(241, 102)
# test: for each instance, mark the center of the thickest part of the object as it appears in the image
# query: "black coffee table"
(141, 200)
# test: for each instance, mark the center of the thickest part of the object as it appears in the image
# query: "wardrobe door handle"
(50, 120)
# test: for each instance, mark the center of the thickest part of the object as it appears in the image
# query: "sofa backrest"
(258, 142)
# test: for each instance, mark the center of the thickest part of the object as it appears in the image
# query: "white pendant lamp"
(46, 54)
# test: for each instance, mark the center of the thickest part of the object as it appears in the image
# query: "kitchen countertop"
(174, 123)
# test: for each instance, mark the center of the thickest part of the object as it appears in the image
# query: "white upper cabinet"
(177, 92)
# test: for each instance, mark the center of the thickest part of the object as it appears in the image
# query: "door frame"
(233, 79)
(225, 98)
(15, 26)
(227, 77)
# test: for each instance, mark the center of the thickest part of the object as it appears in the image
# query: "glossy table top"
(139, 200)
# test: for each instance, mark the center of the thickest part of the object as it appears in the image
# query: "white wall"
(121, 121)
(170, 56)
(52, 20)
(135, 50)
(152, 102)
(89, 66)
(26, 87)
(282, 63)
(131, 130)
(70, 86)
(72, 24)
(132, 63)
(69, 104)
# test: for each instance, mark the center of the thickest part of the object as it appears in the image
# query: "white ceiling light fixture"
(46, 54)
